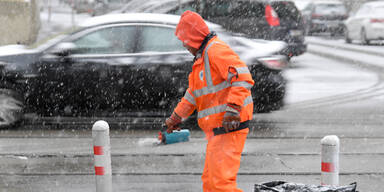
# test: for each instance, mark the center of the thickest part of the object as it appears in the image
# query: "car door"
(162, 67)
(82, 81)
(355, 23)
(248, 18)
(48, 92)
(100, 55)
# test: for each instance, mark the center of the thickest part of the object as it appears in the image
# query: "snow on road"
(361, 54)
(313, 77)
(375, 48)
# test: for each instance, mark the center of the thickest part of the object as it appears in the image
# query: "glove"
(173, 122)
(231, 120)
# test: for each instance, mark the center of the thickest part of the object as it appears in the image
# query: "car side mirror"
(63, 49)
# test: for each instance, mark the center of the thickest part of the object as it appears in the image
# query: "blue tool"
(174, 137)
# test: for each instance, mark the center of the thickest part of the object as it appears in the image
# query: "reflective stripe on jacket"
(217, 78)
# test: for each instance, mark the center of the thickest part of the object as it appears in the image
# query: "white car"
(367, 24)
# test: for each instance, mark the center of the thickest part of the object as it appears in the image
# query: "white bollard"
(330, 160)
(102, 156)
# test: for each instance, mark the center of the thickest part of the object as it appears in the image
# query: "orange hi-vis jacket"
(218, 77)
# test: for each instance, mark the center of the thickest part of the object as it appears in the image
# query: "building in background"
(19, 21)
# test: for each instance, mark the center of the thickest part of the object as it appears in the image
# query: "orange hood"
(191, 29)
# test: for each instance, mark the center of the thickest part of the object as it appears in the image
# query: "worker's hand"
(231, 118)
(173, 122)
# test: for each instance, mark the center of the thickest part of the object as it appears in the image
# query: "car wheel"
(308, 31)
(363, 37)
(11, 107)
(267, 106)
(289, 57)
(346, 36)
(268, 103)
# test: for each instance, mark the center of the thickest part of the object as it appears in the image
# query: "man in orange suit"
(219, 89)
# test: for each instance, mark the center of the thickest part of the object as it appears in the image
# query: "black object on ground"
(282, 186)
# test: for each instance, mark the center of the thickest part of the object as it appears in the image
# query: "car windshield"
(326, 9)
(378, 11)
(178, 11)
(286, 10)
(217, 8)
(248, 10)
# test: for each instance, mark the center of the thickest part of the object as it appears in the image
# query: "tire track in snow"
(367, 93)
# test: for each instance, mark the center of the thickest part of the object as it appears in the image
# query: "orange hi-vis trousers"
(222, 161)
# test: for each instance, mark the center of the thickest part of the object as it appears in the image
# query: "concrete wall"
(19, 21)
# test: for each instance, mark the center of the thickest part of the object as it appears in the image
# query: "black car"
(262, 19)
(122, 64)
(271, 20)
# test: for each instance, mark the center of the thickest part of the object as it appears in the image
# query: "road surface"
(326, 96)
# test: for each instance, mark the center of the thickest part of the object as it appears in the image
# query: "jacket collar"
(203, 45)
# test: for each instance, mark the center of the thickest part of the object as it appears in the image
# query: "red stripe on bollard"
(98, 150)
(99, 170)
(327, 167)
(102, 156)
